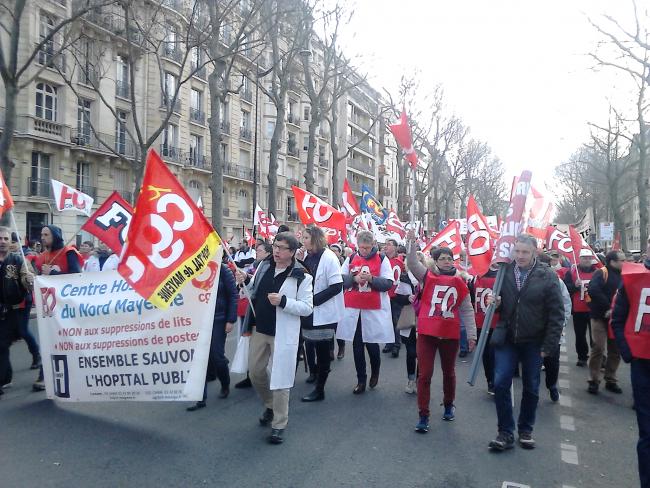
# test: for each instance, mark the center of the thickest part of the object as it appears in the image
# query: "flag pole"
(15, 226)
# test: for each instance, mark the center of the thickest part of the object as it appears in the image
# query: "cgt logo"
(60, 376)
(205, 283)
(48, 299)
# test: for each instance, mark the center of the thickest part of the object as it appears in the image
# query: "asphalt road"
(345, 441)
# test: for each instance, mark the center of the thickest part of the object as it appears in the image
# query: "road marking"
(565, 401)
(512, 484)
(567, 422)
(564, 369)
(562, 348)
(569, 453)
(567, 486)
(564, 358)
(563, 383)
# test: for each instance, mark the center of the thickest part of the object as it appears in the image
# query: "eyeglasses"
(445, 258)
(281, 248)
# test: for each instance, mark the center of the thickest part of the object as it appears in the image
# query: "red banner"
(616, 244)
(313, 210)
(394, 224)
(402, 134)
(512, 225)
(479, 242)
(448, 237)
(557, 240)
(6, 202)
(169, 241)
(349, 204)
(110, 222)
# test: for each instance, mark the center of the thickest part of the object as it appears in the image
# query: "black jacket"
(601, 292)
(536, 313)
(225, 309)
(14, 288)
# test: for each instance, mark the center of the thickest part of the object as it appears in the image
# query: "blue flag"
(372, 206)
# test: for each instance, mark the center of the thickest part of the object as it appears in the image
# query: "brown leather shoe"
(359, 389)
(374, 379)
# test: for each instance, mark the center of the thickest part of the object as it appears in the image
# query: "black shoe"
(374, 379)
(196, 406)
(315, 396)
(276, 436)
(555, 394)
(526, 440)
(311, 378)
(462, 354)
(490, 389)
(36, 362)
(245, 383)
(266, 417)
(395, 352)
(359, 389)
(224, 392)
(613, 387)
(581, 363)
(341, 353)
(593, 387)
(387, 348)
(502, 442)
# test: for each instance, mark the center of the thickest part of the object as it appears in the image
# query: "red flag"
(448, 237)
(350, 206)
(557, 240)
(110, 222)
(169, 240)
(249, 238)
(67, 198)
(616, 244)
(6, 202)
(479, 246)
(579, 244)
(394, 224)
(512, 226)
(402, 134)
(313, 210)
(262, 222)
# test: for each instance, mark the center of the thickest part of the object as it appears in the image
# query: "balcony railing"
(171, 153)
(292, 216)
(225, 127)
(171, 51)
(293, 119)
(126, 148)
(226, 212)
(237, 171)
(39, 188)
(245, 134)
(197, 116)
(365, 146)
(323, 162)
(51, 57)
(48, 127)
(293, 151)
(363, 122)
(244, 214)
(198, 161)
(166, 103)
(91, 191)
(358, 165)
(292, 182)
(123, 89)
(199, 72)
(127, 195)
(247, 95)
(88, 76)
(321, 191)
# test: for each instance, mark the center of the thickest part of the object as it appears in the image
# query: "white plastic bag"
(240, 361)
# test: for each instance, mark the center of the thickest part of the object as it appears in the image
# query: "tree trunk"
(216, 164)
(642, 176)
(6, 139)
(336, 192)
(276, 140)
(311, 150)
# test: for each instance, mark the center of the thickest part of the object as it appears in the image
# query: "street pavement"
(344, 441)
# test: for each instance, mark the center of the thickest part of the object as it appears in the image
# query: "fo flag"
(70, 199)
(372, 206)
(579, 245)
(110, 222)
(448, 237)
(479, 247)
(169, 242)
(349, 204)
(402, 134)
(513, 225)
(262, 222)
(557, 240)
(313, 210)
(6, 202)
(394, 224)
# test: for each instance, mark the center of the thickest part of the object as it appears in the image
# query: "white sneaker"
(410, 387)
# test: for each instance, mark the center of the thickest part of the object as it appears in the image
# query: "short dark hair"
(89, 243)
(267, 247)
(543, 257)
(14, 237)
(283, 228)
(392, 241)
(289, 238)
(440, 251)
(527, 239)
(401, 249)
(614, 256)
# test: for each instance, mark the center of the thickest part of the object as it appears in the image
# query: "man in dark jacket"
(631, 325)
(225, 316)
(531, 317)
(602, 287)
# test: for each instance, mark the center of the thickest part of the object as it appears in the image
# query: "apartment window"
(196, 149)
(246, 84)
(290, 206)
(171, 37)
(243, 200)
(83, 120)
(170, 136)
(170, 87)
(223, 149)
(245, 158)
(40, 175)
(270, 128)
(194, 190)
(122, 83)
(83, 177)
(46, 101)
(46, 26)
(120, 132)
(306, 112)
(245, 119)
(87, 75)
(305, 143)
(195, 57)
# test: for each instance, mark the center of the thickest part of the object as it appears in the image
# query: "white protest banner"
(101, 341)
(68, 198)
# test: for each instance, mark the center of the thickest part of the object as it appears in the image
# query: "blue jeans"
(464, 345)
(506, 359)
(640, 372)
(23, 328)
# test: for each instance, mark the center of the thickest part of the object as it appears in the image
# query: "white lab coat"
(376, 325)
(327, 274)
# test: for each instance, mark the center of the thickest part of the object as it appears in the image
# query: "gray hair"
(527, 239)
(365, 237)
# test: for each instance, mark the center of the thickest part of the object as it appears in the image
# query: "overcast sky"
(516, 71)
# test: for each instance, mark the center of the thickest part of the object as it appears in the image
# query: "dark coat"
(225, 309)
(601, 292)
(536, 312)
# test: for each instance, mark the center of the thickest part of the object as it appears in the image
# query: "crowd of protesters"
(310, 298)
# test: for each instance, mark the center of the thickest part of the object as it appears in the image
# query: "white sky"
(516, 71)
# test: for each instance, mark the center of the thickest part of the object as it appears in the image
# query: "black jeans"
(582, 325)
(8, 332)
(23, 328)
(488, 358)
(640, 372)
(323, 360)
(410, 343)
(552, 367)
(310, 355)
(217, 360)
(360, 356)
(396, 311)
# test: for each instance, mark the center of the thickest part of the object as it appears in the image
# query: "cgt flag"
(6, 202)
(372, 206)
(313, 210)
(110, 222)
(402, 134)
(169, 242)
(394, 224)
(67, 198)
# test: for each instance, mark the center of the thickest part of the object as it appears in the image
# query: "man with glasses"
(281, 293)
(602, 287)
